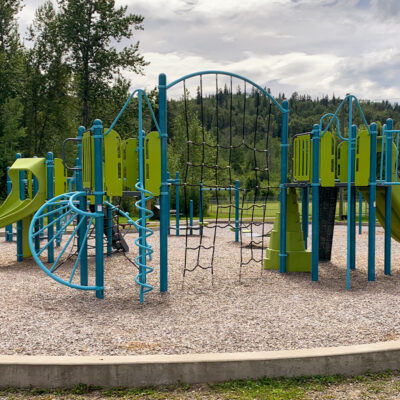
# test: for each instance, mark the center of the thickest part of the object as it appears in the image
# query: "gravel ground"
(265, 311)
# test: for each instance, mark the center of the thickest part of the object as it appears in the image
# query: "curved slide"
(14, 209)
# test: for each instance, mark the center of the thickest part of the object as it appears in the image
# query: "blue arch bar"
(216, 72)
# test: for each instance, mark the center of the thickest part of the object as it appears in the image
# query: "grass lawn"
(370, 386)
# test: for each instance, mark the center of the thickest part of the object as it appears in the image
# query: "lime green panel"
(87, 160)
(152, 161)
(302, 155)
(379, 150)
(327, 160)
(363, 153)
(112, 164)
(60, 177)
(341, 164)
(130, 163)
(14, 209)
(26, 251)
(298, 259)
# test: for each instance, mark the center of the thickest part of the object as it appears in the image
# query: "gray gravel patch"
(265, 311)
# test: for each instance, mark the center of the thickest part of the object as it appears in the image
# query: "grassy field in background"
(272, 207)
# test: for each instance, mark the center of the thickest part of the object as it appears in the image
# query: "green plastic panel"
(152, 161)
(363, 154)
(130, 164)
(302, 158)
(298, 259)
(14, 209)
(112, 164)
(60, 177)
(327, 159)
(379, 150)
(341, 164)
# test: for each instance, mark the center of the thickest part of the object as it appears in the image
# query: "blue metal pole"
(177, 206)
(283, 197)
(372, 205)
(191, 216)
(237, 199)
(304, 213)
(201, 209)
(315, 203)
(98, 199)
(353, 198)
(20, 255)
(164, 210)
(50, 195)
(82, 240)
(9, 228)
(349, 194)
(388, 195)
(142, 212)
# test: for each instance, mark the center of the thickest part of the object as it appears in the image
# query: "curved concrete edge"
(154, 370)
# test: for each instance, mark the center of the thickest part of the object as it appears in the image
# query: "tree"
(49, 108)
(89, 28)
(11, 82)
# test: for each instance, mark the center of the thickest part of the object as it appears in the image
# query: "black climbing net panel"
(224, 135)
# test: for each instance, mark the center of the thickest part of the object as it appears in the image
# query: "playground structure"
(108, 167)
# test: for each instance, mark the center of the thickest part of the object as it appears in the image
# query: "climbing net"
(226, 154)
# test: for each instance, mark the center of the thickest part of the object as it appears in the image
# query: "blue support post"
(98, 199)
(283, 194)
(9, 228)
(164, 210)
(353, 203)
(191, 216)
(360, 209)
(388, 194)
(82, 242)
(304, 213)
(316, 139)
(20, 255)
(372, 204)
(177, 205)
(50, 195)
(349, 193)
(237, 198)
(201, 209)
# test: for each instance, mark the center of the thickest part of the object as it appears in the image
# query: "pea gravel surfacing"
(266, 311)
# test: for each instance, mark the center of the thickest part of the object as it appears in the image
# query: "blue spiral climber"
(145, 250)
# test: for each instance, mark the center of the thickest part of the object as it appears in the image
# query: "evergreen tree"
(88, 28)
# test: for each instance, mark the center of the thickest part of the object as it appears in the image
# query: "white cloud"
(309, 46)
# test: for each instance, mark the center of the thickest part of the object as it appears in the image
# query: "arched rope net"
(221, 145)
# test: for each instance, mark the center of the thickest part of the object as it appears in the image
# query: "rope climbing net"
(225, 139)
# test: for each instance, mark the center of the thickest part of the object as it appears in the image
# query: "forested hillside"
(67, 70)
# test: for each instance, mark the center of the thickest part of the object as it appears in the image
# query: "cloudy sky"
(309, 46)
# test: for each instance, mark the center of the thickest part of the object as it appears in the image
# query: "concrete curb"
(153, 370)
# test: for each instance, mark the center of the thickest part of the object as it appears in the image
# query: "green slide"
(380, 208)
(14, 209)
